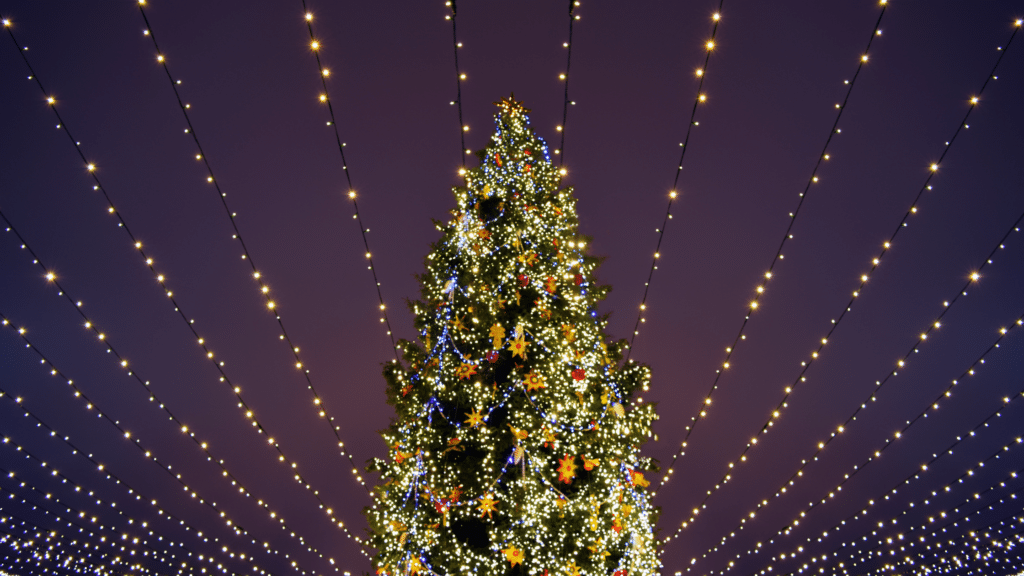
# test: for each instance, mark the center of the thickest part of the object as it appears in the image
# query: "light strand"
(110, 476)
(264, 289)
(460, 76)
(862, 281)
(573, 17)
(889, 441)
(8, 519)
(325, 97)
(916, 475)
(190, 323)
(112, 504)
(128, 542)
(783, 403)
(698, 99)
(162, 280)
(888, 542)
(136, 441)
(761, 287)
(978, 512)
(52, 538)
(184, 427)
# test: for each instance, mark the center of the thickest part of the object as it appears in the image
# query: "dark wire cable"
(675, 181)
(573, 4)
(247, 256)
(458, 84)
(875, 262)
(348, 179)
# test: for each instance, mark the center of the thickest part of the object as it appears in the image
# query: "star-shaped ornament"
(475, 419)
(487, 505)
(513, 555)
(518, 344)
(567, 469)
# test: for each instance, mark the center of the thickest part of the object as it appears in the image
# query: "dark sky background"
(772, 86)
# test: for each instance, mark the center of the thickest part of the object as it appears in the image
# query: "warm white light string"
(1013, 560)
(190, 323)
(700, 98)
(318, 402)
(762, 286)
(129, 544)
(136, 441)
(132, 493)
(932, 406)
(325, 98)
(801, 377)
(113, 505)
(204, 446)
(967, 518)
(460, 77)
(886, 543)
(30, 542)
(869, 504)
(931, 327)
(564, 77)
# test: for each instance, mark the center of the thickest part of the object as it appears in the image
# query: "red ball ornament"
(579, 279)
(579, 374)
(492, 356)
(523, 280)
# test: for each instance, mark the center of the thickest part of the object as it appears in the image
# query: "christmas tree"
(515, 445)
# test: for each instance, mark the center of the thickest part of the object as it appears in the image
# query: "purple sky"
(772, 86)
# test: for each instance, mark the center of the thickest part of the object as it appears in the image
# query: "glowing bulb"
(710, 45)
(864, 58)
(700, 72)
(160, 58)
(309, 16)
(934, 167)
(50, 276)
(323, 97)
(91, 167)
(327, 72)
(716, 17)
(702, 98)
(315, 45)
(50, 100)
(351, 193)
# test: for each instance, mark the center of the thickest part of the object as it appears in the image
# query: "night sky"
(772, 85)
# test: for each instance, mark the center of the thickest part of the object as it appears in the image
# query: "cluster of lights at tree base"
(515, 445)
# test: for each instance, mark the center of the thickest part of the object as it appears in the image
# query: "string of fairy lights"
(325, 97)
(34, 532)
(933, 326)
(700, 98)
(759, 291)
(133, 494)
(127, 542)
(204, 446)
(964, 520)
(112, 504)
(1008, 528)
(318, 402)
(219, 365)
(931, 407)
(573, 17)
(30, 537)
(885, 542)
(916, 475)
(460, 77)
(148, 453)
(53, 552)
(805, 365)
